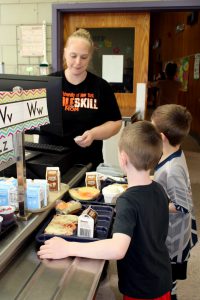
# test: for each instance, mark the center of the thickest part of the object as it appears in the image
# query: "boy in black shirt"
(141, 223)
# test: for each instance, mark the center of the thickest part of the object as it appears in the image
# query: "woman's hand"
(55, 248)
(101, 132)
(84, 140)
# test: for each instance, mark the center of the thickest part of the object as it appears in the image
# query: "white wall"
(14, 13)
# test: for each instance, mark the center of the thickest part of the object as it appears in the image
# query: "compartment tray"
(102, 228)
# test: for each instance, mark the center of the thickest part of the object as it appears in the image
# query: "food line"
(24, 276)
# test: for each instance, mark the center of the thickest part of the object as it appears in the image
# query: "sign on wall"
(20, 111)
(183, 72)
(31, 40)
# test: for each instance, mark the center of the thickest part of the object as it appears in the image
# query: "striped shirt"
(172, 173)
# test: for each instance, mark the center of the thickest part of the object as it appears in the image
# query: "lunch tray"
(102, 228)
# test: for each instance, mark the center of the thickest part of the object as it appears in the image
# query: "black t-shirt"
(86, 105)
(142, 213)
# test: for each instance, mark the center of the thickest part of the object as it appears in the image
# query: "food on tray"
(116, 188)
(70, 207)
(112, 192)
(62, 225)
(84, 193)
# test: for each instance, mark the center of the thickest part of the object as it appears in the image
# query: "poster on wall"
(183, 72)
(20, 111)
(112, 68)
(196, 65)
(31, 40)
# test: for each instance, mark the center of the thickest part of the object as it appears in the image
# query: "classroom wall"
(14, 13)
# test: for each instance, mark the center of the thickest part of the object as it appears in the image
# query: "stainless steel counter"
(24, 276)
(29, 278)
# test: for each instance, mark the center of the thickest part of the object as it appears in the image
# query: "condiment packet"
(78, 138)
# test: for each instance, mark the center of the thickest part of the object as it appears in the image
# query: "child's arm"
(175, 208)
(179, 190)
(114, 248)
(172, 208)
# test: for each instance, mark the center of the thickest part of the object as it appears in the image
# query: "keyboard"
(46, 148)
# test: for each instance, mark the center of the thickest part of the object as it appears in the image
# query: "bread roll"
(70, 207)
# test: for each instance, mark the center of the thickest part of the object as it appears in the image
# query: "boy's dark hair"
(173, 120)
(171, 70)
(142, 143)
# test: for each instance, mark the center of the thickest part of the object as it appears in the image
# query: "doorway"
(60, 10)
(116, 35)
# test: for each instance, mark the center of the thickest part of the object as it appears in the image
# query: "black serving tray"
(102, 228)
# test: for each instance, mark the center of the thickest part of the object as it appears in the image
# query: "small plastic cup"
(7, 213)
(111, 193)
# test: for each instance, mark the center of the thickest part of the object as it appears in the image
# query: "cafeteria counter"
(24, 276)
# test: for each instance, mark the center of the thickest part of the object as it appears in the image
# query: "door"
(132, 31)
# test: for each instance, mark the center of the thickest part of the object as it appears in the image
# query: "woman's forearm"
(106, 130)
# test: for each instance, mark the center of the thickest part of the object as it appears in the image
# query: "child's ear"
(122, 159)
(163, 136)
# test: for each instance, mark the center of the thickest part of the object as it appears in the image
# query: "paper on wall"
(31, 40)
(112, 68)
(196, 65)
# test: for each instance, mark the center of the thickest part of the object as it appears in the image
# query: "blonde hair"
(142, 143)
(83, 34)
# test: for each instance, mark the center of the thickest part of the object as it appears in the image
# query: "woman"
(90, 110)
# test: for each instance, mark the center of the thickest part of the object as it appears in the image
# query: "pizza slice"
(62, 225)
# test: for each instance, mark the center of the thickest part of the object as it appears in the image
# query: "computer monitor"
(53, 85)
